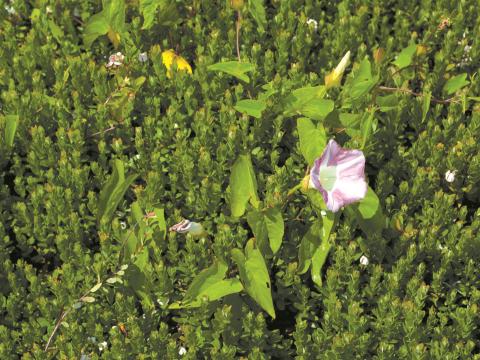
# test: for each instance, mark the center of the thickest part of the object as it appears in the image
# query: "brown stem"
(239, 19)
(411, 92)
(112, 127)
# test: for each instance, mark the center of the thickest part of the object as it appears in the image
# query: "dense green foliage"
(96, 161)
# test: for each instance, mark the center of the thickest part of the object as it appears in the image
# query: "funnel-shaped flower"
(190, 227)
(339, 174)
(333, 79)
(169, 57)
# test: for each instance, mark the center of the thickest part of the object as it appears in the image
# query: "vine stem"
(411, 92)
(238, 25)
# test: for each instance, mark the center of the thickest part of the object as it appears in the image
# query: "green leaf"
(11, 123)
(367, 126)
(315, 246)
(254, 276)
(205, 279)
(369, 205)
(387, 103)
(56, 31)
(251, 107)
(216, 291)
(165, 12)
(368, 213)
(405, 57)
(96, 26)
(427, 96)
(362, 81)
(317, 109)
(455, 83)
(159, 222)
(308, 100)
(352, 123)
(110, 19)
(115, 13)
(313, 139)
(275, 227)
(256, 221)
(243, 186)
(235, 68)
(96, 287)
(318, 260)
(257, 10)
(268, 229)
(113, 191)
(140, 283)
(148, 8)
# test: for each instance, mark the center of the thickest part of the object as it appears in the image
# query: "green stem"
(293, 190)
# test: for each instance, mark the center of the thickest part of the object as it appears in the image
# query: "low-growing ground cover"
(119, 119)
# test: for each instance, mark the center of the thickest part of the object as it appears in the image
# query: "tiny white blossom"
(323, 213)
(115, 60)
(314, 22)
(102, 346)
(142, 57)
(182, 351)
(450, 176)
(123, 225)
(10, 10)
(364, 260)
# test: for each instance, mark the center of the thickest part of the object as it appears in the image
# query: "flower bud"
(335, 77)
(189, 227)
(306, 183)
(237, 4)
(378, 55)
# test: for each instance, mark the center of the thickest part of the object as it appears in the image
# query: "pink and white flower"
(188, 227)
(339, 174)
(115, 60)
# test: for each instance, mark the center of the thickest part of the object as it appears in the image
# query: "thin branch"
(239, 19)
(411, 92)
(112, 127)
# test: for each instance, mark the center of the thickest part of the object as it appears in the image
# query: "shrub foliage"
(97, 162)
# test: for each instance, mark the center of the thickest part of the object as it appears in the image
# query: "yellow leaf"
(169, 57)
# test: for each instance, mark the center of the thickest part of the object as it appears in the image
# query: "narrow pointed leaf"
(234, 68)
(243, 186)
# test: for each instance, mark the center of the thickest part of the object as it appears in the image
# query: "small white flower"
(102, 346)
(48, 10)
(182, 351)
(123, 225)
(175, 126)
(364, 260)
(314, 22)
(10, 10)
(323, 213)
(115, 60)
(450, 176)
(142, 57)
